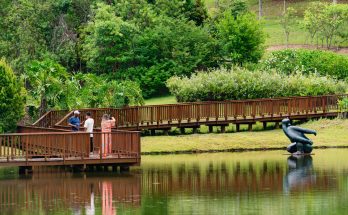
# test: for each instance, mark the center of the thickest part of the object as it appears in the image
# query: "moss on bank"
(331, 133)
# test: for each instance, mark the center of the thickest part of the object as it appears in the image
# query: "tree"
(46, 80)
(333, 22)
(159, 55)
(12, 98)
(260, 9)
(196, 11)
(287, 21)
(327, 22)
(97, 91)
(107, 42)
(311, 20)
(241, 38)
(27, 24)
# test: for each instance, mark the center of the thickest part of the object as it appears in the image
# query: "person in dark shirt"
(74, 121)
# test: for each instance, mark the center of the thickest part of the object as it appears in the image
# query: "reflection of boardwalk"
(51, 192)
(213, 180)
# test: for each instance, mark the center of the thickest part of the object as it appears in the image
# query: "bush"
(308, 61)
(12, 98)
(241, 38)
(244, 84)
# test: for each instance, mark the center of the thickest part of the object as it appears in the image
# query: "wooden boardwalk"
(49, 141)
(193, 115)
(68, 148)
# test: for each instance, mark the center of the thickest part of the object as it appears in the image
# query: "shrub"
(240, 37)
(244, 84)
(12, 98)
(308, 61)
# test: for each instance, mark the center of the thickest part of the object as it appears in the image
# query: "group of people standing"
(106, 124)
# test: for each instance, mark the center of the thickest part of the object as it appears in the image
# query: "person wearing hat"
(74, 121)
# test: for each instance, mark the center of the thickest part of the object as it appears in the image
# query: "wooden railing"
(49, 119)
(142, 116)
(66, 145)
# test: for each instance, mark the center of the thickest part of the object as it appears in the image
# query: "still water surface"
(266, 182)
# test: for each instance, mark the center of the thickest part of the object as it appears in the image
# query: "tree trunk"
(284, 6)
(260, 9)
(287, 34)
(43, 106)
(334, 1)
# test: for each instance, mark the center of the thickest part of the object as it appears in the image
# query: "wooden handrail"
(212, 110)
(67, 144)
(41, 118)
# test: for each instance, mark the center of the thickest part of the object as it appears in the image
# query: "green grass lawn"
(275, 33)
(272, 10)
(331, 133)
(161, 100)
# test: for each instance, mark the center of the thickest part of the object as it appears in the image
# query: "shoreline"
(331, 134)
(233, 150)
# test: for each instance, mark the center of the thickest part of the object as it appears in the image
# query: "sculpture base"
(299, 148)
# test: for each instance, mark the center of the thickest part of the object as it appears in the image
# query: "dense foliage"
(308, 61)
(145, 41)
(240, 83)
(50, 86)
(12, 98)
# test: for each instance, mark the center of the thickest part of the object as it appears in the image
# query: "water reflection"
(301, 174)
(230, 183)
(63, 192)
(107, 207)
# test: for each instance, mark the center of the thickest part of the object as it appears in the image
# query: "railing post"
(158, 115)
(101, 146)
(138, 117)
(26, 150)
(64, 148)
(217, 111)
(179, 113)
(152, 113)
(271, 112)
(254, 109)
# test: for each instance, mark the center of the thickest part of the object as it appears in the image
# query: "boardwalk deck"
(164, 117)
(69, 148)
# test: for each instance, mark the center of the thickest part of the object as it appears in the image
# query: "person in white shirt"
(89, 124)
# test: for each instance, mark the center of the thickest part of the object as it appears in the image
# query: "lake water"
(267, 182)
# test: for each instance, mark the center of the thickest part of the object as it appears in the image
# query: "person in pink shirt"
(106, 125)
